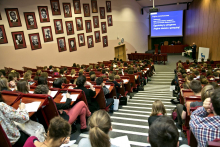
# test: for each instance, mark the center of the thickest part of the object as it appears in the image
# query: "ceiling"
(146, 3)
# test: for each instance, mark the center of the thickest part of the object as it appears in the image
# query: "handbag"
(116, 103)
(32, 128)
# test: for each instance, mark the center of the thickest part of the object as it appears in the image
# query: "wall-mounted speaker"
(142, 11)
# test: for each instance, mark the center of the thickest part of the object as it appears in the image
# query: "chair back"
(4, 141)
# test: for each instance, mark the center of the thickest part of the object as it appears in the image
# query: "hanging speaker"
(142, 11)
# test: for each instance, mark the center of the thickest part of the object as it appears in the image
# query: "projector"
(153, 10)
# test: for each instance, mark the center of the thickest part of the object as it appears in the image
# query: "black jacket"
(64, 106)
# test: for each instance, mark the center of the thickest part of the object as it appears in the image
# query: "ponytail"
(100, 124)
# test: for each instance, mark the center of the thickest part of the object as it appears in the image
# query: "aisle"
(132, 119)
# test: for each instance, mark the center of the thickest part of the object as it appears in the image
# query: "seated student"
(44, 74)
(11, 80)
(87, 70)
(99, 81)
(196, 73)
(73, 73)
(163, 133)
(209, 73)
(4, 84)
(100, 125)
(61, 72)
(187, 62)
(23, 86)
(65, 110)
(158, 110)
(214, 84)
(45, 68)
(111, 78)
(91, 73)
(1, 75)
(204, 81)
(27, 76)
(216, 75)
(114, 72)
(56, 71)
(74, 65)
(38, 74)
(90, 93)
(206, 128)
(205, 93)
(80, 73)
(117, 77)
(51, 68)
(58, 133)
(42, 81)
(65, 70)
(93, 77)
(7, 117)
(104, 76)
(17, 76)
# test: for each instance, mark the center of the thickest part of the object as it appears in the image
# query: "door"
(120, 52)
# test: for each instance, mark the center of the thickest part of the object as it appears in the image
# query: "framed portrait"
(55, 7)
(35, 41)
(109, 19)
(102, 12)
(58, 25)
(61, 44)
(43, 14)
(13, 17)
(72, 44)
(86, 10)
(77, 6)
(88, 24)
(96, 21)
(19, 40)
(108, 6)
(94, 6)
(97, 37)
(104, 28)
(81, 40)
(105, 41)
(79, 23)
(0, 16)
(3, 37)
(90, 41)
(47, 34)
(67, 10)
(30, 20)
(69, 27)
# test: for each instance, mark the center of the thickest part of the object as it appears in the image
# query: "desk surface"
(59, 97)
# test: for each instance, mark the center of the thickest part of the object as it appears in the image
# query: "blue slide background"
(173, 18)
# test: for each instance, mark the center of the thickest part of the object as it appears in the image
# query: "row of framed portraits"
(19, 39)
(15, 21)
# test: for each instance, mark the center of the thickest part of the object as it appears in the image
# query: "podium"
(156, 48)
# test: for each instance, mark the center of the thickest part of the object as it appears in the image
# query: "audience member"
(42, 80)
(12, 79)
(27, 76)
(38, 74)
(4, 84)
(23, 86)
(93, 77)
(111, 78)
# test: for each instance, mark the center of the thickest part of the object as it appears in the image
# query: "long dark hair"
(22, 86)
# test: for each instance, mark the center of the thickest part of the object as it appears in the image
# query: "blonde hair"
(27, 76)
(38, 73)
(44, 74)
(206, 92)
(73, 72)
(117, 77)
(158, 107)
(3, 83)
(45, 68)
(180, 65)
(100, 124)
(205, 65)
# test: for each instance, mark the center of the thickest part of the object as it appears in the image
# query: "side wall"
(202, 26)
(128, 23)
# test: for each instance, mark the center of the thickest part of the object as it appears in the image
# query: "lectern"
(156, 48)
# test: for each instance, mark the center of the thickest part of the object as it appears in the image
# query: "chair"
(4, 141)
(214, 143)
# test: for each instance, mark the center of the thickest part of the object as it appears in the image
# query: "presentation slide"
(167, 24)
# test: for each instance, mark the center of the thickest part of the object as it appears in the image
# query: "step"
(149, 101)
(143, 104)
(140, 108)
(153, 96)
(135, 111)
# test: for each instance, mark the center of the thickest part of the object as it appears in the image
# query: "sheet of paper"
(125, 80)
(187, 70)
(172, 88)
(12, 89)
(72, 96)
(49, 77)
(68, 144)
(120, 141)
(108, 86)
(32, 107)
(148, 68)
(31, 91)
(50, 81)
(53, 93)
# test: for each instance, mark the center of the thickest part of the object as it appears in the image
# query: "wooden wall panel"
(202, 26)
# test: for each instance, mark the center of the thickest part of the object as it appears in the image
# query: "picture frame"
(90, 41)
(77, 6)
(43, 14)
(47, 33)
(61, 43)
(19, 40)
(79, 23)
(58, 25)
(86, 10)
(97, 36)
(55, 7)
(35, 41)
(102, 12)
(72, 44)
(69, 27)
(13, 17)
(67, 10)
(105, 41)
(96, 21)
(109, 20)
(108, 6)
(104, 28)
(81, 39)
(3, 37)
(94, 6)
(88, 25)
(30, 20)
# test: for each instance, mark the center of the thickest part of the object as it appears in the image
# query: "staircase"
(132, 119)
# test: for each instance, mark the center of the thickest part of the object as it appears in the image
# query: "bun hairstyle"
(100, 124)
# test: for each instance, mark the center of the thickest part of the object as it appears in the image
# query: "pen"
(20, 101)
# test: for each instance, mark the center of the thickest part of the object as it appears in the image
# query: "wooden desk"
(173, 48)
(10, 97)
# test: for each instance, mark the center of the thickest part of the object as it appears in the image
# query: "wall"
(202, 26)
(128, 23)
